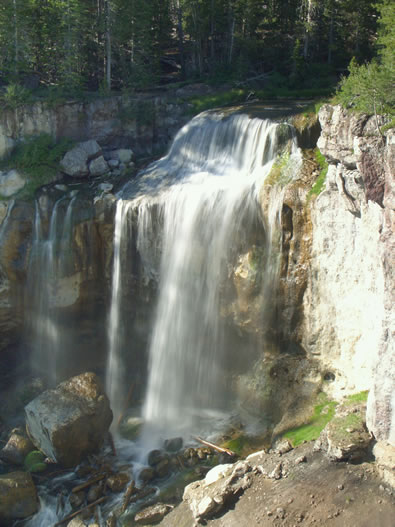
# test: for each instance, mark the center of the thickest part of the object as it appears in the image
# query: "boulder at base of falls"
(71, 421)
(18, 497)
(221, 486)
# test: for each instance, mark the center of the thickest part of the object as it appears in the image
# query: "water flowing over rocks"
(71, 421)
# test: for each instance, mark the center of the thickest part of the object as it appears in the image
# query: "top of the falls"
(230, 147)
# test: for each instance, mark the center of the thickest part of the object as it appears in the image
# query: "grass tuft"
(322, 414)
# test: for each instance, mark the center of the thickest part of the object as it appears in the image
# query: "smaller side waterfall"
(48, 260)
(115, 371)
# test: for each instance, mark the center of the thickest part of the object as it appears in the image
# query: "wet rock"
(18, 497)
(77, 499)
(162, 469)
(71, 421)
(147, 474)
(153, 514)
(117, 482)
(174, 444)
(155, 456)
(17, 448)
(98, 166)
(11, 182)
(94, 493)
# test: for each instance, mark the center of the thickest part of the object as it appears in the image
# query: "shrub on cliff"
(370, 88)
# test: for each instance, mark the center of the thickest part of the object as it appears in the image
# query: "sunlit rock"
(71, 421)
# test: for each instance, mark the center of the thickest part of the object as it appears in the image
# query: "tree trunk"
(331, 34)
(231, 34)
(108, 45)
(180, 35)
(16, 36)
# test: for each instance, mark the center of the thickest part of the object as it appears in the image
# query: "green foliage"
(319, 184)
(15, 95)
(360, 397)
(370, 87)
(38, 158)
(34, 461)
(322, 414)
(217, 100)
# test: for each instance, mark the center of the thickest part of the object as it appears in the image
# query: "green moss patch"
(34, 461)
(360, 397)
(322, 414)
(277, 174)
(319, 184)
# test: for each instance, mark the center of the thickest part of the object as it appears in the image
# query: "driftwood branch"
(76, 513)
(88, 483)
(128, 494)
(214, 447)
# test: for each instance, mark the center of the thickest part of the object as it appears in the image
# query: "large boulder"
(75, 162)
(71, 421)
(222, 485)
(18, 497)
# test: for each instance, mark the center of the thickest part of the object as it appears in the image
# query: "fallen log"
(214, 447)
(76, 513)
(128, 494)
(88, 483)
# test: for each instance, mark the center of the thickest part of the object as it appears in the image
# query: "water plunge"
(196, 210)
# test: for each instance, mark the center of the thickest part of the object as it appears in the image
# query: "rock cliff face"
(348, 304)
(147, 122)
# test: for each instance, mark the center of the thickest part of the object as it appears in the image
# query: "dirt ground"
(313, 492)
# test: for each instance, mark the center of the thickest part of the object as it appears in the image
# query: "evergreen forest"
(303, 47)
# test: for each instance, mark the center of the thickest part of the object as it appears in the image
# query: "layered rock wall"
(146, 122)
(348, 304)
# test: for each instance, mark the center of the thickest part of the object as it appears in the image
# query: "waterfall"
(115, 374)
(193, 208)
(48, 260)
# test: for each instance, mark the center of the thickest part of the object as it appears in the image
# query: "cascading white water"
(115, 372)
(204, 196)
(47, 261)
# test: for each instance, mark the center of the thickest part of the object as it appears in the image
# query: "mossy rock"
(34, 461)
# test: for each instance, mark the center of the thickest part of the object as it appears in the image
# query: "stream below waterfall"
(193, 225)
